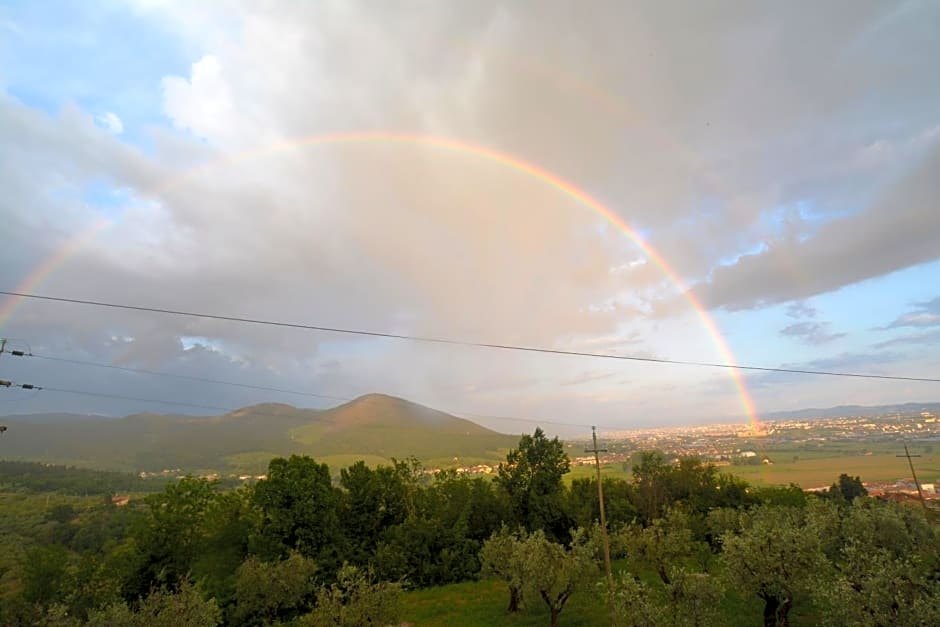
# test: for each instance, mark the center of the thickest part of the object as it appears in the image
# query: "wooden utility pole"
(910, 463)
(600, 498)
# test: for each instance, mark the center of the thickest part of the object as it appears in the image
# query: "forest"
(689, 546)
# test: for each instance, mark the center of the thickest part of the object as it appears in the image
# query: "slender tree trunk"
(513, 599)
(661, 569)
(783, 613)
(776, 612)
(555, 606)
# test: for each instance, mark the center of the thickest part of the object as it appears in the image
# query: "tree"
(409, 472)
(773, 557)
(634, 603)
(721, 521)
(691, 600)
(584, 507)
(663, 545)
(883, 559)
(469, 505)
(355, 600)
(170, 537)
(62, 513)
(93, 587)
(847, 488)
(228, 524)
(553, 572)
(45, 574)
(535, 567)
(163, 608)
(651, 477)
(425, 552)
(373, 501)
(532, 479)
(501, 557)
(789, 496)
(268, 592)
(299, 510)
(691, 482)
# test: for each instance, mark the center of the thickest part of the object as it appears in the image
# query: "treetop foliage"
(300, 547)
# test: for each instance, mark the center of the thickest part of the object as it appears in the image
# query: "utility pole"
(910, 462)
(600, 498)
(3, 346)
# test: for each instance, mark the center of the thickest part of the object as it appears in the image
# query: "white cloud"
(111, 122)
(203, 103)
(695, 126)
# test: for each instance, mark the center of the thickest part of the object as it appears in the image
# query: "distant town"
(783, 441)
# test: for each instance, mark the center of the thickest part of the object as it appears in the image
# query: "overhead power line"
(452, 342)
(229, 410)
(157, 373)
(345, 399)
(137, 399)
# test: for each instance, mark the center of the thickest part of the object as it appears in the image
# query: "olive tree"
(553, 572)
(501, 557)
(882, 559)
(774, 558)
(355, 600)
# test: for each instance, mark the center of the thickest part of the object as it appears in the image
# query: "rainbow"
(489, 154)
(49, 265)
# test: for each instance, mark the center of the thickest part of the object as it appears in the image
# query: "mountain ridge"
(374, 427)
(853, 410)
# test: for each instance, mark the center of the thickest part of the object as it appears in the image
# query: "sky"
(402, 167)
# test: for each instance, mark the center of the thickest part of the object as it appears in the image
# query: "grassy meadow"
(808, 468)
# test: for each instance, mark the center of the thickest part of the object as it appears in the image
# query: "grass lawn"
(484, 603)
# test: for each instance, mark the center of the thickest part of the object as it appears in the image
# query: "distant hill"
(54, 419)
(855, 410)
(374, 428)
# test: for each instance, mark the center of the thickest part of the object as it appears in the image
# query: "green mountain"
(374, 428)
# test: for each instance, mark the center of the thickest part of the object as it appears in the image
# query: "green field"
(816, 467)
(818, 471)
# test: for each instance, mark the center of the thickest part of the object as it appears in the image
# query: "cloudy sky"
(237, 157)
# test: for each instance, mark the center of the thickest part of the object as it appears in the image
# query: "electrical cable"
(452, 342)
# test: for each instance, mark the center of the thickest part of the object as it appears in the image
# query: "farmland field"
(814, 468)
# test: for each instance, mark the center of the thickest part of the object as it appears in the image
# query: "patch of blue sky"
(875, 303)
(99, 55)
(859, 310)
(754, 249)
(189, 342)
(802, 218)
(339, 346)
(752, 335)
(106, 199)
